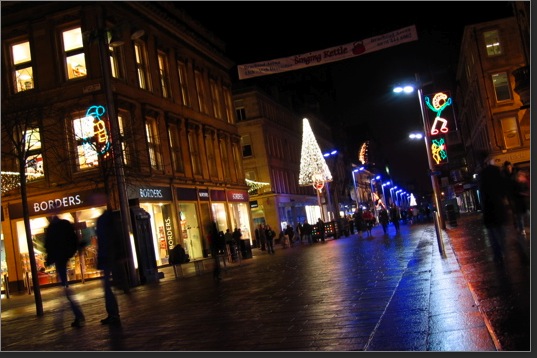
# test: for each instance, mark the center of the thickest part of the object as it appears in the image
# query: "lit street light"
(384, 193)
(434, 181)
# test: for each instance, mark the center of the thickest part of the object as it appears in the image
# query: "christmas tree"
(313, 167)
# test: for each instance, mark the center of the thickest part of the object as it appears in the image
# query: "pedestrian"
(260, 237)
(290, 233)
(321, 229)
(520, 197)
(307, 229)
(299, 232)
(109, 260)
(384, 219)
(214, 247)
(270, 234)
(369, 221)
(359, 221)
(493, 194)
(395, 217)
(61, 244)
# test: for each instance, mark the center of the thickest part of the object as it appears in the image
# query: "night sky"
(365, 106)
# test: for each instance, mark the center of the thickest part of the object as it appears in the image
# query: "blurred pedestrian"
(109, 259)
(214, 247)
(359, 221)
(395, 217)
(290, 233)
(384, 219)
(369, 221)
(61, 244)
(270, 234)
(321, 229)
(260, 237)
(493, 194)
(521, 201)
(307, 229)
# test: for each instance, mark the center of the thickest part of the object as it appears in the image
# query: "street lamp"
(384, 193)
(437, 217)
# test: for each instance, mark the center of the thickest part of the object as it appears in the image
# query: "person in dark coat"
(320, 228)
(493, 194)
(61, 243)
(108, 258)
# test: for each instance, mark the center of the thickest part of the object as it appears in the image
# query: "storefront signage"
(185, 194)
(218, 195)
(253, 204)
(237, 195)
(203, 194)
(67, 202)
(155, 194)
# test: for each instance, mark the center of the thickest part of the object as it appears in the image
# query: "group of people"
(504, 196)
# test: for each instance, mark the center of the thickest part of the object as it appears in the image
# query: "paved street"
(379, 293)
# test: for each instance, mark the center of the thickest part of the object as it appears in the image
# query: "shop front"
(157, 202)
(82, 208)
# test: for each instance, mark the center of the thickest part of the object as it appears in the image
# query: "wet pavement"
(375, 293)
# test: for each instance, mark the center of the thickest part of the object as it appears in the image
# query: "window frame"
(16, 67)
(504, 86)
(80, 70)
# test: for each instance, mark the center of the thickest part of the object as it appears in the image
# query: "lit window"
(228, 105)
(215, 94)
(193, 147)
(246, 145)
(23, 72)
(492, 42)
(202, 96)
(164, 74)
(501, 86)
(84, 129)
(34, 160)
(116, 61)
(183, 83)
(153, 143)
(142, 67)
(175, 148)
(75, 59)
(124, 127)
(510, 131)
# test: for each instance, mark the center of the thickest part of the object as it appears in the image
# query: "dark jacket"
(108, 241)
(61, 241)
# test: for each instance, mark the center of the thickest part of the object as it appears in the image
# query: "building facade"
(493, 112)
(131, 100)
(271, 140)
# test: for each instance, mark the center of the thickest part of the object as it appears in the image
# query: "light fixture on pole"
(384, 193)
(434, 181)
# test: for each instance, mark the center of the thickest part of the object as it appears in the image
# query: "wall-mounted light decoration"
(439, 151)
(99, 139)
(440, 101)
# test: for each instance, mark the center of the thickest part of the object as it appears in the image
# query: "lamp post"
(434, 181)
(355, 189)
(116, 149)
(384, 193)
(392, 189)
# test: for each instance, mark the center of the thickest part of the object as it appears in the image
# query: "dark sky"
(263, 30)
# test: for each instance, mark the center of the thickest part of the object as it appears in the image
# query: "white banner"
(332, 54)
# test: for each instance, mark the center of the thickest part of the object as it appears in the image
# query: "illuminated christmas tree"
(313, 167)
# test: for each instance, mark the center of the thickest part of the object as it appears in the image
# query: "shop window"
(22, 67)
(164, 74)
(153, 143)
(501, 86)
(492, 43)
(183, 83)
(511, 135)
(75, 59)
(142, 67)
